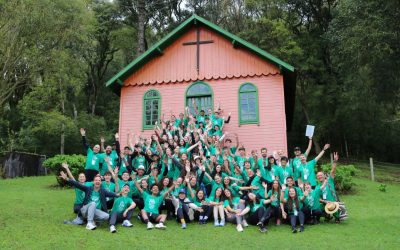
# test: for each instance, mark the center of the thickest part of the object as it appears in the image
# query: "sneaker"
(183, 226)
(294, 230)
(222, 223)
(216, 223)
(149, 225)
(127, 223)
(90, 226)
(239, 228)
(244, 223)
(160, 226)
(263, 229)
(260, 224)
(301, 229)
(112, 229)
(278, 222)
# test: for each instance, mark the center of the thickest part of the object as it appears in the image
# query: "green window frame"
(203, 94)
(248, 104)
(151, 108)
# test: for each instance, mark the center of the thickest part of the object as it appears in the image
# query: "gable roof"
(117, 80)
(287, 70)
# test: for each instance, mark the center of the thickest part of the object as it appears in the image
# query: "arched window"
(200, 92)
(248, 104)
(151, 108)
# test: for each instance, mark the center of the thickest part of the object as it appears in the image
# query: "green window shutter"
(151, 109)
(248, 104)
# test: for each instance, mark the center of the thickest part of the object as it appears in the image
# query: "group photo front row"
(192, 171)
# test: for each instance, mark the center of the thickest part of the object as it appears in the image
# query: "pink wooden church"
(199, 60)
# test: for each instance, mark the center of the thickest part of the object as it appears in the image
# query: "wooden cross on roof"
(197, 43)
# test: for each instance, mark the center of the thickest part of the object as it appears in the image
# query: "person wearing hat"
(183, 207)
(306, 169)
(152, 202)
(328, 192)
(122, 210)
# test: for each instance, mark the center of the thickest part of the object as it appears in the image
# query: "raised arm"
(139, 188)
(102, 141)
(322, 152)
(334, 164)
(117, 145)
(309, 146)
(65, 166)
(169, 190)
(84, 142)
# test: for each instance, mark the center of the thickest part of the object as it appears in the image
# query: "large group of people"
(192, 170)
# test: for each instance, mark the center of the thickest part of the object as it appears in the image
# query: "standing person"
(328, 192)
(111, 155)
(306, 169)
(122, 210)
(295, 162)
(295, 206)
(284, 171)
(93, 158)
(95, 203)
(152, 202)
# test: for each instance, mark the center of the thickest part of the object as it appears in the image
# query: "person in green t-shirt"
(152, 202)
(199, 199)
(233, 207)
(306, 169)
(312, 207)
(93, 158)
(295, 162)
(110, 186)
(328, 192)
(274, 196)
(122, 210)
(295, 212)
(216, 201)
(284, 171)
(259, 214)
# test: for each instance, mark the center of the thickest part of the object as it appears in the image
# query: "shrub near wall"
(343, 176)
(76, 164)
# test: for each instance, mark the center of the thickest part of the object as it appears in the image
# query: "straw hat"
(331, 207)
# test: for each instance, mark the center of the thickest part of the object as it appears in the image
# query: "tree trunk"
(141, 8)
(62, 139)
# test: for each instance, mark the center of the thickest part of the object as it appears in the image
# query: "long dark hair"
(228, 198)
(290, 200)
(269, 166)
(278, 190)
(221, 196)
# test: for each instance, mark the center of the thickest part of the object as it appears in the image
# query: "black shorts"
(152, 217)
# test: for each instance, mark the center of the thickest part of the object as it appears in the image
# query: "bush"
(343, 176)
(76, 164)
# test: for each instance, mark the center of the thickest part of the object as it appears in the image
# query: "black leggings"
(90, 174)
(206, 212)
(276, 212)
(260, 215)
(77, 208)
(183, 213)
(139, 203)
(168, 206)
(312, 213)
(293, 219)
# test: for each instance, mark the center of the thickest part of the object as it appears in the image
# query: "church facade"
(201, 62)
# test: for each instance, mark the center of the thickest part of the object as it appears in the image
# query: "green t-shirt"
(80, 195)
(233, 150)
(235, 202)
(311, 201)
(276, 202)
(110, 187)
(295, 209)
(215, 186)
(121, 204)
(329, 192)
(122, 167)
(256, 206)
(197, 202)
(269, 175)
(139, 160)
(113, 161)
(132, 188)
(307, 172)
(93, 160)
(152, 203)
(95, 197)
(284, 173)
(257, 182)
(295, 164)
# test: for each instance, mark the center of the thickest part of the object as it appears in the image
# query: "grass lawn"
(32, 213)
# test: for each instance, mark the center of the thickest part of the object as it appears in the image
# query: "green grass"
(32, 213)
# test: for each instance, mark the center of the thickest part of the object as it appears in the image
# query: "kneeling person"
(122, 210)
